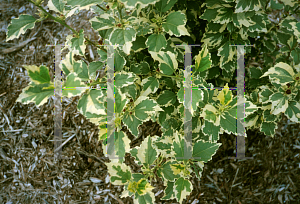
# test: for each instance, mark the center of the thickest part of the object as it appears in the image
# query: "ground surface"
(26, 134)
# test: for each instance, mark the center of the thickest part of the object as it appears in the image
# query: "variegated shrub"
(149, 77)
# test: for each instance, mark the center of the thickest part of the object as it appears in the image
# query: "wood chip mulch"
(28, 174)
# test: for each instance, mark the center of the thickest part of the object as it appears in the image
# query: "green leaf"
(119, 60)
(281, 73)
(226, 52)
(123, 36)
(133, 3)
(205, 150)
(139, 43)
(175, 24)
(121, 145)
(56, 5)
(91, 106)
(210, 13)
(70, 85)
(86, 4)
(77, 45)
(165, 5)
(132, 123)
(120, 174)
(124, 79)
(295, 54)
(163, 145)
(19, 26)
(260, 20)
(166, 98)
(182, 189)
(143, 107)
(148, 198)
(103, 22)
(37, 94)
(103, 55)
(198, 168)
(38, 75)
(93, 67)
(150, 85)
(279, 103)
(130, 90)
(169, 191)
(224, 14)
(167, 171)
(142, 68)
(168, 63)
(248, 5)
(203, 60)
(67, 64)
(296, 29)
(155, 42)
(146, 153)
(211, 130)
(268, 128)
(120, 101)
(212, 40)
(275, 5)
(293, 111)
(179, 145)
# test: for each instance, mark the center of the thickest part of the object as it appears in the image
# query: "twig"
(2, 94)
(58, 148)
(111, 195)
(101, 7)
(216, 186)
(234, 179)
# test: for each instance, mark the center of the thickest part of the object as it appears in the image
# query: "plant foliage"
(149, 78)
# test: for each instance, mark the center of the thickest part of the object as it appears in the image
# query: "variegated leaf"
(279, 103)
(150, 85)
(19, 26)
(37, 94)
(165, 5)
(91, 105)
(168, 63)
(169, 190)
(293, 111)
(166, 170)
(124, 78)
(103, 22)
(86, 4)
(243, 6)
(133, 3)
(281, 73)
(205, 150)
(155, 42)
(56, 5)
(73, 86)
(77, 45)
(175, 24)
(203, 60)
(182, 189)
(226, 52)
(38, 75)
(166, 98)
(146, 153)
(120, 174)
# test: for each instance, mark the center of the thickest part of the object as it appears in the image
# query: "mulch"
(28, 174)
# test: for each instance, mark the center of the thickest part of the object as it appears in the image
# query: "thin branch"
(104, 9)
